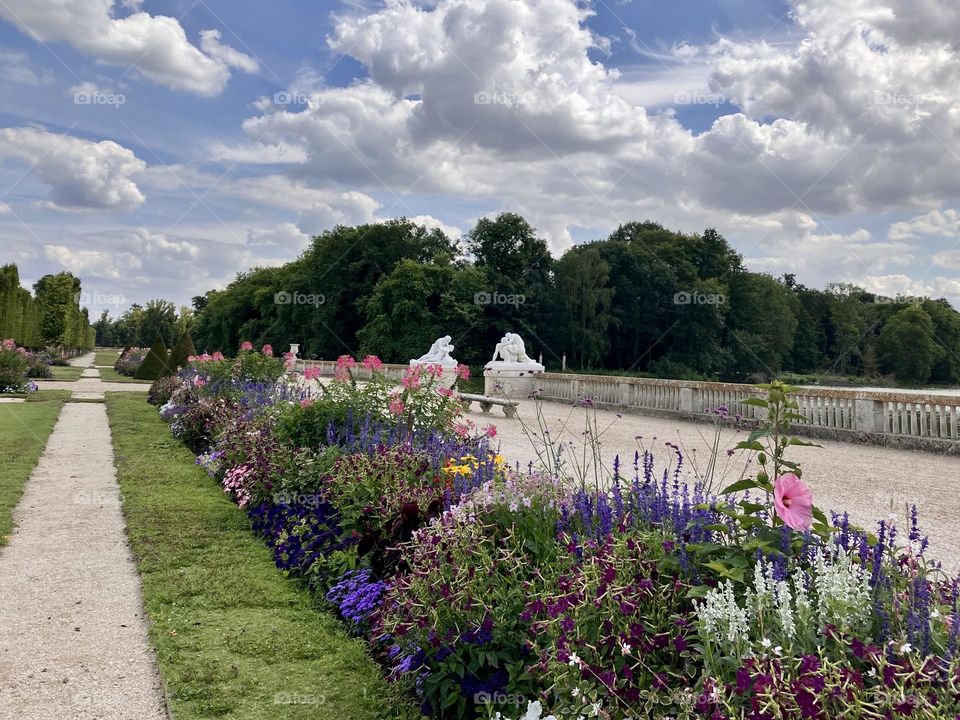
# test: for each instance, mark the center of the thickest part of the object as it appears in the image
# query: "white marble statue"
(438, 353)
(511, 350)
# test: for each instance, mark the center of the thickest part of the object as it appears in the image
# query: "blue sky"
(156, 148)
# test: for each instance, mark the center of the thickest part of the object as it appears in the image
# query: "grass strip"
(106, 357)
(235, 637)
(62, 373)
(24, 429)
(108, 374)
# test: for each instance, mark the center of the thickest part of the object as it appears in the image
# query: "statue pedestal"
(449, 376)
(512, 380)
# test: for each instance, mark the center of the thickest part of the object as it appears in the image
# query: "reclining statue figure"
(439, 352)
(511, 349)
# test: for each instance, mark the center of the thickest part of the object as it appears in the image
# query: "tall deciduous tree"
(907, 347)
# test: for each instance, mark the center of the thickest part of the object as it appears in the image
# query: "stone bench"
(486, 403)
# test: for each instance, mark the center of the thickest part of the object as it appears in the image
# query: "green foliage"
(417, 303)
(908, 347)
(247, 366)
(181, 351)
(51, 318)
(155, 364)
(645, 299)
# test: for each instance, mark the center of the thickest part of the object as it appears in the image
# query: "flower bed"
(130, 360)
(16, 364)
(495, 592)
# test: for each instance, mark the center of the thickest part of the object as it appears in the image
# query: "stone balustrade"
(884, 417)
(920, 420)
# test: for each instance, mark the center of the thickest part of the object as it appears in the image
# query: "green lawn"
(24, 429)
(233, 634)
(106, 357)
(68, 372)
(108, 374)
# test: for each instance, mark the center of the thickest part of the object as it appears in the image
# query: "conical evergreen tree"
(181, 351)
(155, 363)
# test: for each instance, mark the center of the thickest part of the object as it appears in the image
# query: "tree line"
(50, 317)
(645, 299)
(141, 325)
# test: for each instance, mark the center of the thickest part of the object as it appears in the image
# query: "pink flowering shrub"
(14, 363)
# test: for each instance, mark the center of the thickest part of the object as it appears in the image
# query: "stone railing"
(921, 419)
(918, 420)
(328, 367)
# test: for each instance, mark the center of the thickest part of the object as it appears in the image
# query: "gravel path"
(74, 641)
(869, 482)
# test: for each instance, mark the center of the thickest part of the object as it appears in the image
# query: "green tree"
(907, 347)
(417, 303)
(583, 296)
(159, 319)
(181, 351)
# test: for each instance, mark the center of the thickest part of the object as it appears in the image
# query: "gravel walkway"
(869, 482)
(74, 641)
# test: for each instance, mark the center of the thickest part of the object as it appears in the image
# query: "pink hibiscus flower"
(793, 501)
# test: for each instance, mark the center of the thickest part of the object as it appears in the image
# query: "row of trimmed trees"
(51, 317)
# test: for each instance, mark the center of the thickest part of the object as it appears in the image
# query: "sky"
(155, 148)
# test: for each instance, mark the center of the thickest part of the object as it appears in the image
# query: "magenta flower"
(372, 362)
(267, 350)
(793, 501)
(246, 345)
(411, 378)
(463, 371)
(396, 406)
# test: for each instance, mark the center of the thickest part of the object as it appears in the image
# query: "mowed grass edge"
(234, 637)
(24, 430)
(108, 374)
